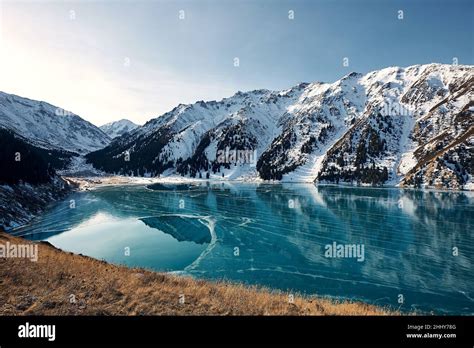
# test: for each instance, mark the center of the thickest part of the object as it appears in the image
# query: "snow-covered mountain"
(48, 126)
(407, 126)
(118, 128)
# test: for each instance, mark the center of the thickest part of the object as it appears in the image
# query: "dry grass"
(45, 288)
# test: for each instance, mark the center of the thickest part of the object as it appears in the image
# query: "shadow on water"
(173, 187)
(181, 228)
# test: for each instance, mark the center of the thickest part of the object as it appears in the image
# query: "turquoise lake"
(418, 245)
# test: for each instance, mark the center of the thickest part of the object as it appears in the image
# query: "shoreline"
(64, 283)
(85, 183)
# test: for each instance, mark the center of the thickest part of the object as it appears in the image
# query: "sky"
(107, 60)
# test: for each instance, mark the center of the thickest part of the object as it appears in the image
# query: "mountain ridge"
(395, 126)
(48, 126)
(362, 129)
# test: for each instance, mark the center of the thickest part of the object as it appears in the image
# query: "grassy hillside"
(62, 283)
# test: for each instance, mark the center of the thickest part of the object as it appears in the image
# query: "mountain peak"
(118, 128)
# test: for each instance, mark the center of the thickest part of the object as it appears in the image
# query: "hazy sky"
(106, 60)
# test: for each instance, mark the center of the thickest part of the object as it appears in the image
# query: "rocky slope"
(28, 180)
